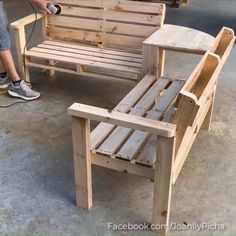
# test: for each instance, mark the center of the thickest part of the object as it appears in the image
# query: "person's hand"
(41, 4)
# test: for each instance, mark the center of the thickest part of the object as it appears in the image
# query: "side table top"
(180, 38)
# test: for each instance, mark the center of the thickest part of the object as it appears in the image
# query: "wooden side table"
(173, 38)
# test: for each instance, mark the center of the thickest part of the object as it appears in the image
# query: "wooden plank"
(119, 165)
(147, 155)
(122, 119)
(90, 53)
(122, 41)
(181, 38)
(150, 60)
(71, 71)
(121, 5)
(26, 20)
(118, 136)
(129, 29)
(136, 141)
(132, 17)
(161, 62)
(144, 7)
(91, 48)
(111, 40)
(98, 25)
(187, 142)
(71, 53)
(163, 183)
(80, 61)
(82, 162)
(73, 35)
(78, 12)
(104, 129)
(74, 22)
(84, 3)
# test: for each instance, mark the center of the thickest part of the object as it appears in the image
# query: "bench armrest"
(26, 20)
(18, 30)
(122, 119)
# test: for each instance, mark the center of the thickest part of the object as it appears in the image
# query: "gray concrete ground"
(36, 170)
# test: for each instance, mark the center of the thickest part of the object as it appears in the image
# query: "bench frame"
(25, 58)
(175, 138)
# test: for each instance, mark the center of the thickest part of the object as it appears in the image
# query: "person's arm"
(41, 4)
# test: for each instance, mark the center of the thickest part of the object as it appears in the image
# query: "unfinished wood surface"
(107, 22)
(104, 129)
(122, 119)
(67, 57)
(82, 162)
(122, 166)
(132, 141)
(118, 136)
(150, 60)
(163, 183)
(124, 143)
(134, 144)
(202, 84)
(161, 62)
(109, 25)
(174, 37)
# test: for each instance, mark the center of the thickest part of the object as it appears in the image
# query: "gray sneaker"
(4, 82)
(23, 91)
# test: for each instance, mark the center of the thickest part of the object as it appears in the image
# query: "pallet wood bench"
(150, 132)
(103, 38)
(101, 35)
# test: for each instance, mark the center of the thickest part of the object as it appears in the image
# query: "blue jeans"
(5, 42)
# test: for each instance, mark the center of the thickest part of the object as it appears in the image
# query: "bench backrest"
(108, 23)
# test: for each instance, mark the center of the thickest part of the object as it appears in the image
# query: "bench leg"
(150, 57)
(82, 162)
(163, 183)
(161, 61)
(26, 74)
(51, 71)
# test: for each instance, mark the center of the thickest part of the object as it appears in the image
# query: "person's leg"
(4, 80)
(7, 65)
(2, 69)
(18, 88)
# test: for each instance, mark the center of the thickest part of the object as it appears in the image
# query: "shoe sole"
(4, 86)
(16, 95)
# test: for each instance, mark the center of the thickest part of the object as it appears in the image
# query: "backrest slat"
(112, 23)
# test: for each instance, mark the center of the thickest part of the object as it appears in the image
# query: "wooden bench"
(150, 132)
(99, 38)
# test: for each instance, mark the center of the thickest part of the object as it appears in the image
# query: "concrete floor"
(36, 170)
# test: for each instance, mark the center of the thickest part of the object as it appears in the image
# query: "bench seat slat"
(90, 48)
(147, 155)
(118, 136)
(132, 146)
(89, 53)
(68, 59)
(74, 54)
(104, 129)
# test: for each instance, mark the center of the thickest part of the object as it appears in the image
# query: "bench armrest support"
(18, 30)
(26, 20)
(122, 119)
